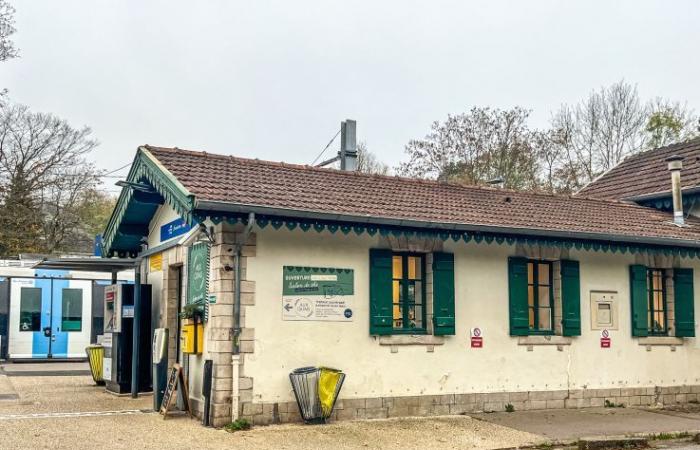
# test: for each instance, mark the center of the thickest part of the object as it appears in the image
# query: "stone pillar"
(219, 339)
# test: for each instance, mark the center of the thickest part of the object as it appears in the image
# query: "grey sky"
(273, 80)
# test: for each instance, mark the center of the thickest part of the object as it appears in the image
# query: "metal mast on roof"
(348, 147)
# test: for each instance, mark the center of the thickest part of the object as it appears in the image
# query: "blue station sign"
(173, 229)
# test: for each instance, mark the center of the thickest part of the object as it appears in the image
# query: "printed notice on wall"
(317, 293)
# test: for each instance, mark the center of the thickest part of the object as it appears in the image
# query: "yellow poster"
(156, 262)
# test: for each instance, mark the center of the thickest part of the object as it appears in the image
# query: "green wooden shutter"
(684, 302)
(639, 300)
(443, 294)
(570, 298)
(380, 292)
(517, 295)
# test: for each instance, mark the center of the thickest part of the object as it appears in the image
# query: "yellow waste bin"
(95, 354)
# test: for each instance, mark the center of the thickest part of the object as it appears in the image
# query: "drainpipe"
(236, 357)
(675, 164)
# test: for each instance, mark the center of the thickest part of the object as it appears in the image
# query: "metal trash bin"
(95, 354)
(316, 390)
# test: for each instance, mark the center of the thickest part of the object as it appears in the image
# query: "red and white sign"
(605, 339)
(476, 338)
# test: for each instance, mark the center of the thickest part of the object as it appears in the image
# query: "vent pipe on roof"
(348, 145)
(675, 164)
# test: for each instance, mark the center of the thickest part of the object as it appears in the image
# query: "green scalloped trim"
(147, 167)
(467, 236)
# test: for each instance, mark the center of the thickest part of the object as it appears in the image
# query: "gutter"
(659, 195)
(266, 210)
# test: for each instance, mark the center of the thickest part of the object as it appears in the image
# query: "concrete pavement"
(62, 368)
(572, 424)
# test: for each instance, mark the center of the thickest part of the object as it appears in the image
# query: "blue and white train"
(49, 314)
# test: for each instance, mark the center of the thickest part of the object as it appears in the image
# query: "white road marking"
(125, 412)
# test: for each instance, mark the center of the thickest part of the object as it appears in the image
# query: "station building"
(433, 297)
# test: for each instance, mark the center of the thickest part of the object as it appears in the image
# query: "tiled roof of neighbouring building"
(295, 189)
(646, 173)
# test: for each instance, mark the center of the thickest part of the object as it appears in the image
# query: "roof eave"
(221, 206)
(147, 166)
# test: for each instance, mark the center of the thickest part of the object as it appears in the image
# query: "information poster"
(317, 293)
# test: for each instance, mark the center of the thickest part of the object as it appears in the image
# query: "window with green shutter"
(398, 293)
(684, 302)
(532, 300)
(443, 294)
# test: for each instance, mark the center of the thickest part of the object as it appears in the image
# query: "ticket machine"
(118, 338)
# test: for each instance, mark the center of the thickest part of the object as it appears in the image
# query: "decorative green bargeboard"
(456, 236)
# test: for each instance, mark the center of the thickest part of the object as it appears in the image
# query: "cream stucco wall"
(481, 284)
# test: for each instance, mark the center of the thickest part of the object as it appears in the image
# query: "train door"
(49, 317)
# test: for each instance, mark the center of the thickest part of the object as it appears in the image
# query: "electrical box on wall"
(604, 310)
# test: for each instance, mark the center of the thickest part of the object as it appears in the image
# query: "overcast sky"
(273, 80)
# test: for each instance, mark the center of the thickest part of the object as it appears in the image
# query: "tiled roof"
(646, 173)
(304, 189)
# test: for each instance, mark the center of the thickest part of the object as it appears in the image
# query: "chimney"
(348, 145)
(675, 164)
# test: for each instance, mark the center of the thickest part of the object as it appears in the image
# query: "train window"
(72, 311)
(30, 309)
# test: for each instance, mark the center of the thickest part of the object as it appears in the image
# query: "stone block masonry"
(452, 404)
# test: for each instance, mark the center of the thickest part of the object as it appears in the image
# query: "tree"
(7, 29)
(669, 122)
(598, 132)
(44, 180)
(367, 162)
(476, 147)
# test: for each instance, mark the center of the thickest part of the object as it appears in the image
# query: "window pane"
(398, 316)
(531, 296)
(414, 268)
(658, 301)
(543, 274)
(416, 317)
(397, 291)
(531, 314)
(411, 292)
(397, 264)
(418, 293)
(72, 312)
(545, 319)
(30, 309)
(530, 275)
(543, 296)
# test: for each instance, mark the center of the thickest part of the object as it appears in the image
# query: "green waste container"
(316, 389)
(95, 354)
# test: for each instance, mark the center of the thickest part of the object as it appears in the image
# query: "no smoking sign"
(605, 339)
(476, 338)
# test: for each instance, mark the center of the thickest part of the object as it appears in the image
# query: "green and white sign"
(317, 293)
(198, 273)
